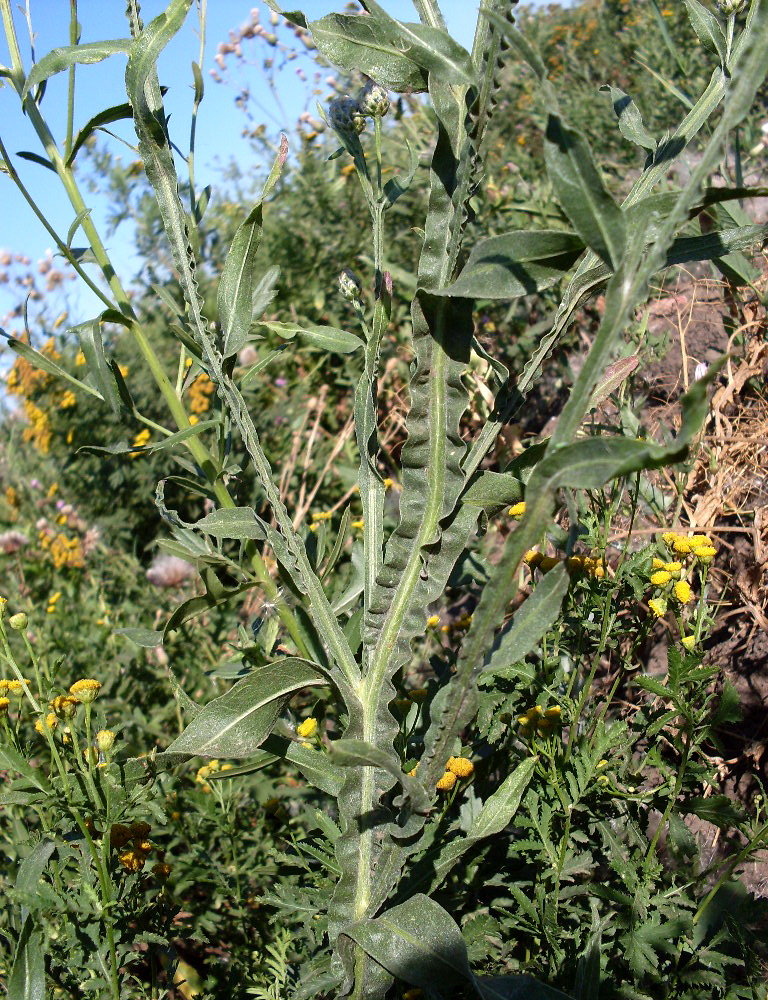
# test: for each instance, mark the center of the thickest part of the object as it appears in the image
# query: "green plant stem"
(73, 39)
(200, 454)
(683, 766)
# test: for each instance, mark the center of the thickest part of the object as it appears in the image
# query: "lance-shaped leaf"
(707, 27)
(418, 942)
(535, 615)
(27, 976)
(496, 814)
(358, 753)
(630, 120)
(397, 55)
(12, 760)
(31, 869)
(515, 264)
(146, 637)
(92, 346)
(57, 60)
(360, 42)
(119, 112)
(580, 190)
(235, 299)
(235, 522)
(45, 364)
(238, 722)
(326, 338)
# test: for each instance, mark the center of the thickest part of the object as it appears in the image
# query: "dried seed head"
(374, 100)
(345, 116)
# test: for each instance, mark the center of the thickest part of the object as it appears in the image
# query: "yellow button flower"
(447, 782)
(683, 591)
(517, 510)
(460, 766)
(85, 690)
(308, 728)
(660, 578)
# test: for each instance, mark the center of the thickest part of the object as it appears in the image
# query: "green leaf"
(146, 637)
(57, 60)
(27, 977)
(237, 723)
(707, 27)
(120, 112)
(535, 615)
(580, 190)
(515, 264)
(235, 298)
(630, 120)
(496, 813)
(360, 42)
(36, 158)
(45, 364)
(358, 753)
(431, 48)
(92, 346)
(12, 760)
(418, 942)
(235, 522)
(613, 376)
(31, 869)
(493, 490)
(715, 245)
(327, 338)
(728, 708)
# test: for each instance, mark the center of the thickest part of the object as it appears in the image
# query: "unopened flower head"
(19, 622)
(350, 285)
(105, 740)
(727, 8)
(374, 100)
(85, 690)
(345, 116)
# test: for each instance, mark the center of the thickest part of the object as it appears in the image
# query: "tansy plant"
(352, 645)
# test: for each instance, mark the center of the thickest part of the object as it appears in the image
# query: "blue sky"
(99, 86)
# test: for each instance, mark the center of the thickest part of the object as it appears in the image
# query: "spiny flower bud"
(726, 8)
(345, 116)
(350, 285)
(374, 101)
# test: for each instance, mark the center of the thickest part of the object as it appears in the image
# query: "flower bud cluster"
(727, 8)
(347, 115)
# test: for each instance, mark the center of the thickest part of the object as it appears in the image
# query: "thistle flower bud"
(345, 116)
(350, 285)
(727, 8)
(374, 100)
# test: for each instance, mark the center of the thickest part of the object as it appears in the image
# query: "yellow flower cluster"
(200, 393)
(204, 772)
(463, 622)
(541, 721)
(588, 565)
(68, 400)
(698, 546)
(63, 551)
(137, 848)
(39, 429)
(52, 601)
(13, 687)
(457, 767)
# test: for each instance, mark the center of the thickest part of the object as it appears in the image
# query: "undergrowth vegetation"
(329, 577)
